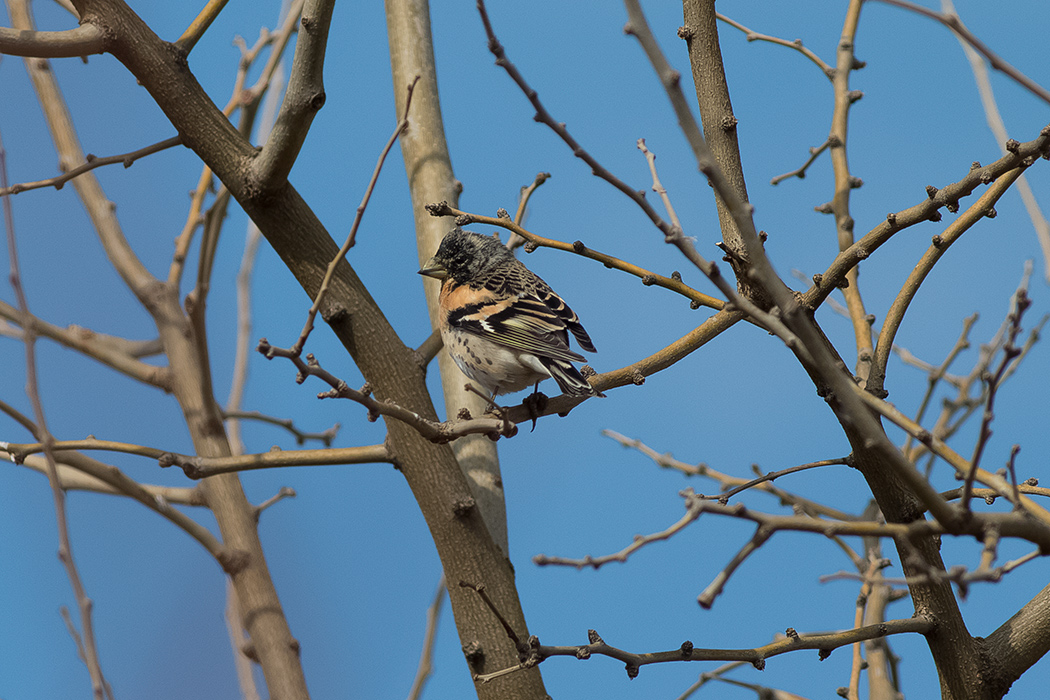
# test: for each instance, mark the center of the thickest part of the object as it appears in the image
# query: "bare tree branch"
(71, 43)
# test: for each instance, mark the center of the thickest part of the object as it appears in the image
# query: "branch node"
(463, 508)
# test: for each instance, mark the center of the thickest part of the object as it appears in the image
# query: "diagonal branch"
(977, 211)
(115, 352)
(303, 99)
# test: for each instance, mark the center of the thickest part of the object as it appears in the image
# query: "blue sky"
(351, 555)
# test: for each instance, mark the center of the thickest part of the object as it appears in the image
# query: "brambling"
(505, 327)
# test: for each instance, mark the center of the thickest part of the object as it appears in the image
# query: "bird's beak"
(434, 269)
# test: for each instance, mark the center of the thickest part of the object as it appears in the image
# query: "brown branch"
(240, 643)
(707, 598)
(672, 234)
(200, 24)
(71, 43)
(673, 283)
(246, 99)
(735, 484)
(115, 352)
(723, 498)
(303, 99)
(523, 207)
(936, 374)
(993, 382)
(927, 210)
(352, 236)
(658, 187)
(800, 172)
(825, 643)
(638, 542)
(426, 658)
(78, 471)
(998, 128)
(1040, 516)
(752, 35)
(544, 117)
(735, 212)
(846, 62)
(90, 163)
(75, 477)
(282, 493)
(941, 242)
(65, 547)
(301, 437)
(197, 467)
(436, 432)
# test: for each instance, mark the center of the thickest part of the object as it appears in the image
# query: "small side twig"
(85, 605)
(993, 381)
(91, 162)
(426, 658)
(800, 172)
(752, 35)
(351, 237)
(523, 207)
(301, 437)
(707, 598)
(447, 431)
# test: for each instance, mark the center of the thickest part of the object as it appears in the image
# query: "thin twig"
(707, 598)
(935, 374)
(431, 430)
(426, 658)
(523, 207)
(673, 283)
(658, 187)
(197, 467)
(239, 641)
(993, 382)
(800, 172)
(65, 547)
(735, 484)
(752, 35)
(301, 437)
(941, 242)
(350, 238)
(962, 467)
(926, 210)
(90, 163)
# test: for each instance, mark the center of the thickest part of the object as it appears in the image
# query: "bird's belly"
(498, 368)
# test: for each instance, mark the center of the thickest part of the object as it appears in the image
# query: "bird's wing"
(523, 322)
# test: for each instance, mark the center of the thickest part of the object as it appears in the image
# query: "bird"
(504, 327)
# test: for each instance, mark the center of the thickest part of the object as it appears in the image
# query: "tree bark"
(430, 179)
(467, 550)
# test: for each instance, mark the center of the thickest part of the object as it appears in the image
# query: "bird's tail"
(569, 379)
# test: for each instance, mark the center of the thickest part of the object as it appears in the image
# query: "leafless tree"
(452, 466)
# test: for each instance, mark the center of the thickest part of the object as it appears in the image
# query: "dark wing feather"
(556, 304)
(524, 323)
